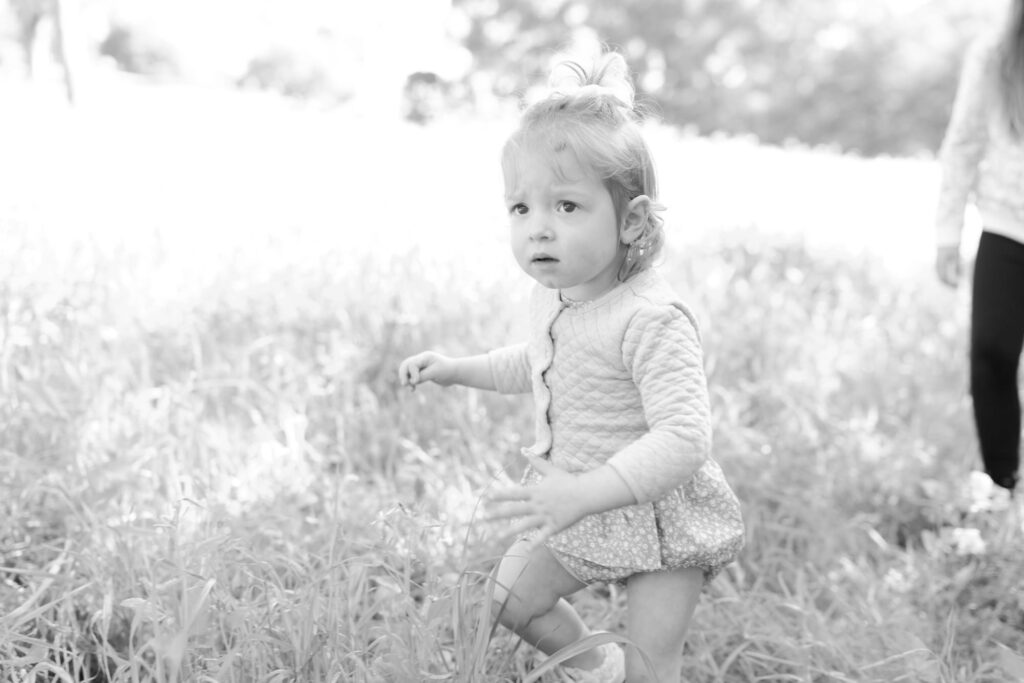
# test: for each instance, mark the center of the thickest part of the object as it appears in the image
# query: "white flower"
(968, 541)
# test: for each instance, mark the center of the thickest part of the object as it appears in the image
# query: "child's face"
(563, 226)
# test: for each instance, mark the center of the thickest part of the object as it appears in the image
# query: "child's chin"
(549, 282)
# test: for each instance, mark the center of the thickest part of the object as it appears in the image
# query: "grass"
(216, 478)
(240, 492)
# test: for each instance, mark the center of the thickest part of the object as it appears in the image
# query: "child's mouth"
(544, 258)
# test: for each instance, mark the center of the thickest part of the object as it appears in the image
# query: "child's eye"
(518, 209)
(568, 207)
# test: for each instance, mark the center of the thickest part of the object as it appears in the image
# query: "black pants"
(997, 333)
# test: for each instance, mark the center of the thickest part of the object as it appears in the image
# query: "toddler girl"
(621, 486)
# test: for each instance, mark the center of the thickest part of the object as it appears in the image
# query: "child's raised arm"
(430, 366)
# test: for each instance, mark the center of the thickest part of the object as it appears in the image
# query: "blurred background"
(208, 118)
(223, 223)
(872, 78)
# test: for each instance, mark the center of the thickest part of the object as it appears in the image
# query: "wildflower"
(968, 541)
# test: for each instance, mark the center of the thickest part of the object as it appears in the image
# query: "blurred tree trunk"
(65, 14)
(49, 28)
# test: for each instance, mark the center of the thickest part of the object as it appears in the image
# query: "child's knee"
(521, 592)
(515, 609)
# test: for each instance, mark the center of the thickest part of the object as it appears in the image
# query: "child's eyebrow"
(567, 186)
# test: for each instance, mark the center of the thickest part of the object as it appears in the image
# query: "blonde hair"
(590, 110)
(1009, 74)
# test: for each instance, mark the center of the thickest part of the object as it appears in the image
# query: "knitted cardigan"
(979, 157)
(618, 380)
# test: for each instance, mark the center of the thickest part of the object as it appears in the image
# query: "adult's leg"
(997, 333)
(530, 591)
(660, 607)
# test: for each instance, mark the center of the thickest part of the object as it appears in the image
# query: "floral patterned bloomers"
(620, 381)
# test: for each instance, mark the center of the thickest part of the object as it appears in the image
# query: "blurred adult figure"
(982, 159)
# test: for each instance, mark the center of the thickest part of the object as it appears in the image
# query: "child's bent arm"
(603, 489)
(474, 371)
(510, 368)
(429, 366)
(663, 349)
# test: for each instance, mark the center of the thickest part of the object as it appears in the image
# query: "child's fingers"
(506, 502)
(409, 373)
(427, 372)
(509, 511)
(513, 492)
(405, 370)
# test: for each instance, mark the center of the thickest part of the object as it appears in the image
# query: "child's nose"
(540, 227)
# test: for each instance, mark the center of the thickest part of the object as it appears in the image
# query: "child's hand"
(549, 506)
(427, 366)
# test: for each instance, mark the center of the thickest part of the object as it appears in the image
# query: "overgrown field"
(209, 473)
(235, 489)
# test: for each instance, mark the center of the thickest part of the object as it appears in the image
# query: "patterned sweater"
(979, 157)
(618, 380)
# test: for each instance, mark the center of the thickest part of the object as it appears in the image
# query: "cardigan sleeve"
(963, 145)
(661, 347)
(510, 368)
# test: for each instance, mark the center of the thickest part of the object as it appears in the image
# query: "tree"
(874, 77)
(33, 15)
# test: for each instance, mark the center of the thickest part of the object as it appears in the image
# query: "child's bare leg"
(660, 606)
(535, 609)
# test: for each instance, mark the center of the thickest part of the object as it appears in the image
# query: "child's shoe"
(611, 670)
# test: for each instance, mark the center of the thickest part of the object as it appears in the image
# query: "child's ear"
(634, 218)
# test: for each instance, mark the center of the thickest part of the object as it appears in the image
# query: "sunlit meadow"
(209, 473)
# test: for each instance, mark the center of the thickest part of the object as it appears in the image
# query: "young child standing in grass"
(621, 486)
(983, 155)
